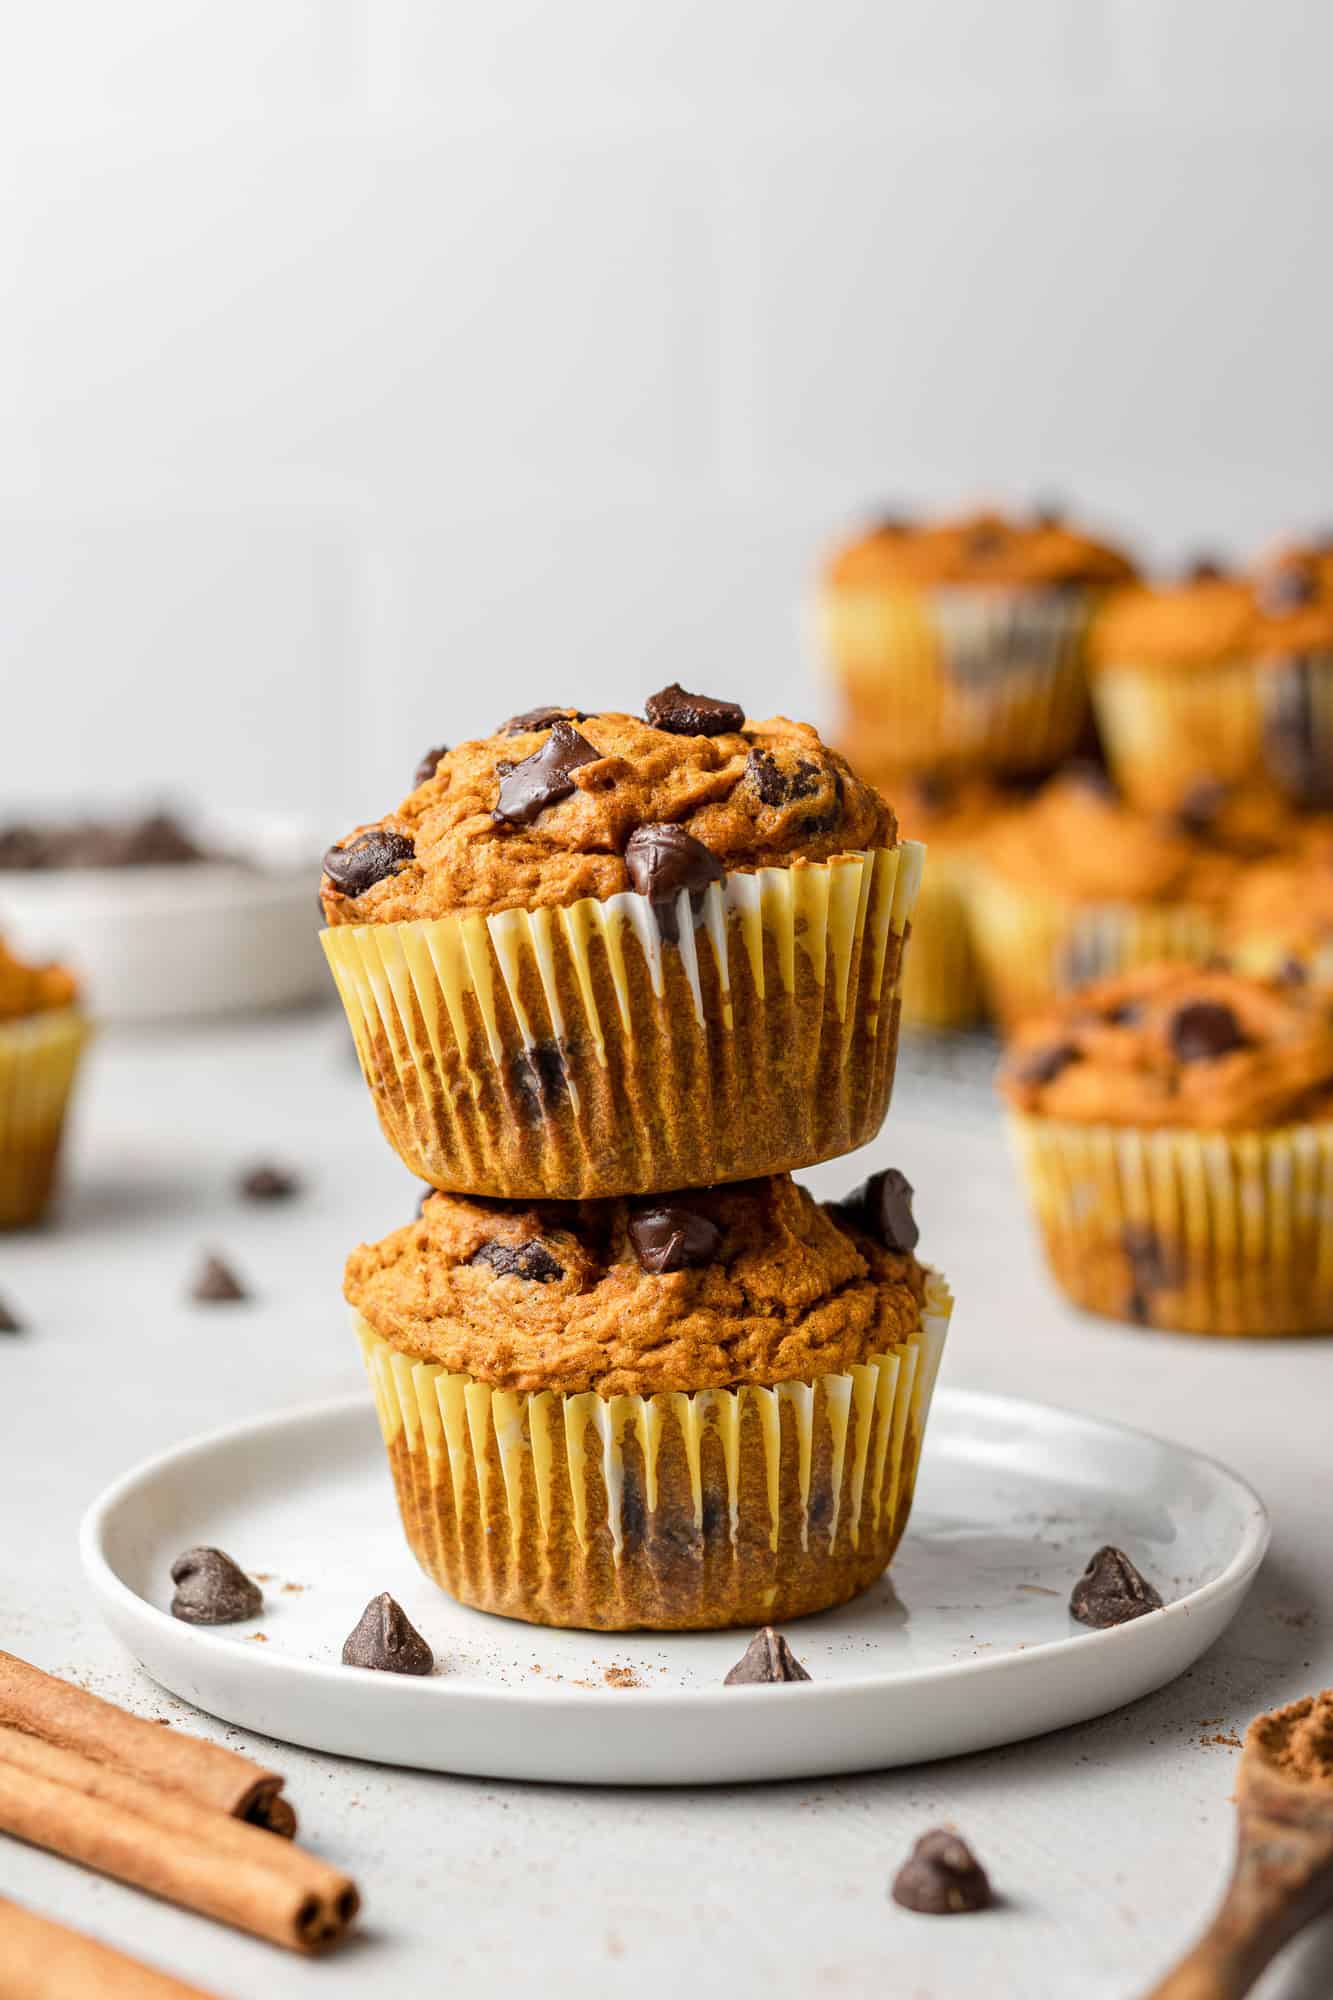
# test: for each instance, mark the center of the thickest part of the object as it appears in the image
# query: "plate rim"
(111, 1591)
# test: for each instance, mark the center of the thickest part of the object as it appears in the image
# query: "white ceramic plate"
(968, 1645)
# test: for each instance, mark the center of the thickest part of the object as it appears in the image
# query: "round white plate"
(966, 1644)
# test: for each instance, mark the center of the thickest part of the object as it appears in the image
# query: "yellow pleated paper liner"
(1295, 700)
(1032, 946)
(1165, 732)
(991, 679)
(941, 977)
(672, 1511)
(564, 1053)
(39, 1056)
(1221, 1233)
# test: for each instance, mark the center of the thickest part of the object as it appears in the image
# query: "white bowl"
(176, 942)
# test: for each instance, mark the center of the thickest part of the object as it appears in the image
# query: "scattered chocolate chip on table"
(9, 1321)
(269, 1182)
(942, 1877)
(216, 1284)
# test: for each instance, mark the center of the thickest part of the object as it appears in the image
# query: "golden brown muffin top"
(559, 805)
(1289, 898)
(1179, 1045)
(32, 989)
(948, 811)
(1206, 619)
(755, 1282)
(1078, 841)
(980, 548)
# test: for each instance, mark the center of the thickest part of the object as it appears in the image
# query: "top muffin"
(32, 989)
(558, 805)
(1040, 550)
(1203, 620)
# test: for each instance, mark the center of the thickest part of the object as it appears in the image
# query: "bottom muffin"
(42, 1034)
(693, 1411)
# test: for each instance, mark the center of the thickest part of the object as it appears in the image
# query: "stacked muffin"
(610, 980)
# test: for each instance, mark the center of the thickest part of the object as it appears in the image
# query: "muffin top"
(1203, 620)
(1287, 900)
(948, 811)
(754, 1282)
(32, 989)
(559, 805)
(1178, 1045)
(981, 548)
(1078, 841)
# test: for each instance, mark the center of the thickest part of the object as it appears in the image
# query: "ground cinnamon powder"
(1298, 1740)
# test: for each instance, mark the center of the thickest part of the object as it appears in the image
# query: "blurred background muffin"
(42, 1033)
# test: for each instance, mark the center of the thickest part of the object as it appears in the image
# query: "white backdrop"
(371, 368)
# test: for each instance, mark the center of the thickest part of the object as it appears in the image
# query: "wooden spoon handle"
(1281, 1881)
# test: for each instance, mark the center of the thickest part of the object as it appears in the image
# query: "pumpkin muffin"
(1175, 1129)
(700, 1410)
(961, 642)
(597, 954)
(42, 1033)
(1078, 884)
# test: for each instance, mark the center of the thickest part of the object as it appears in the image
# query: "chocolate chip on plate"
(1044, 1065)
(777, 787)
(682, 714)
(1111, 1591)
(768, 1657)
(211, 1589)
(425, 770)
(540, 718)
(368, 859)
(8, 1322)
(661, 860)
(882, 1207)
(269, 1182)
(942, 1877)
(1204, 1030)
(532, 1261)
(385, 1639)
(544, 778)
(670, 1237)
(216, 1284)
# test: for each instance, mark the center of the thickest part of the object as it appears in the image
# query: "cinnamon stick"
(41, 1960)
(60, 1713)
(166, 1843)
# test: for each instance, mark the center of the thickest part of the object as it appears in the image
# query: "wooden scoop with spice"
(1283, 1874)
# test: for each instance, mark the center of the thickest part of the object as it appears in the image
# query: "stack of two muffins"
(593, 961)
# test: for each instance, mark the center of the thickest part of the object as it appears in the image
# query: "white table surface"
(1107, 1842)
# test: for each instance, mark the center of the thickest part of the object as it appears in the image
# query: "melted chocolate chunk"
(213, 1590)
(1204, 1030)
(386, 1640)
(540, 718)
(1289, 586)
(777, 787)
(532, 1261)
(682, 714)
(1292, 747)
(368, 859)
(1153, 1268)
(1044, 1065)
(425, 770)
(669, 1237)
(1111, 1591)
(544, 778)
(768, 1657)
(9, 1322)
(540, 1079)
(664, 860)
(216, 1284)
(882, 1207)
(1125, 1014)
(942, 1877)
(268, 1182)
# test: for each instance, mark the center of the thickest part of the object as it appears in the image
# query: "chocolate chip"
(8, 1322)
(1197, 812)
(1204, 1030)
(216, 1284)
(942, 1877)
(1292, 747)
(267, 1182)
(1287, 587)
(682, 714)
(425, 770)
(935, 791)
(368, 859)
(663, 860)
(540, 1079)
(385, 1639)
(882, 1207)
(768, 1657)
(777, 787)
(540, 718)
(531, 1260)
(1042, 1066)
(544, 778)
(1111, 1591)
(212, 1590)
(1153, 1268)
(1205, 569)
(671, 1237)
(1125, 1014)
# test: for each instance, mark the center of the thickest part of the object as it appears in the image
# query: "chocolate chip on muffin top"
(1040, 549)
(753, 1282)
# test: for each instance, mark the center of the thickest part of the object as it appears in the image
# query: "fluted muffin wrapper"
(986, 679)
(1199, 1232)
(1032, 947)
(1298, 689)
(614, 1048)
(39, 1058)
(941, 977)
(1166, 731)
(671, 1511)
